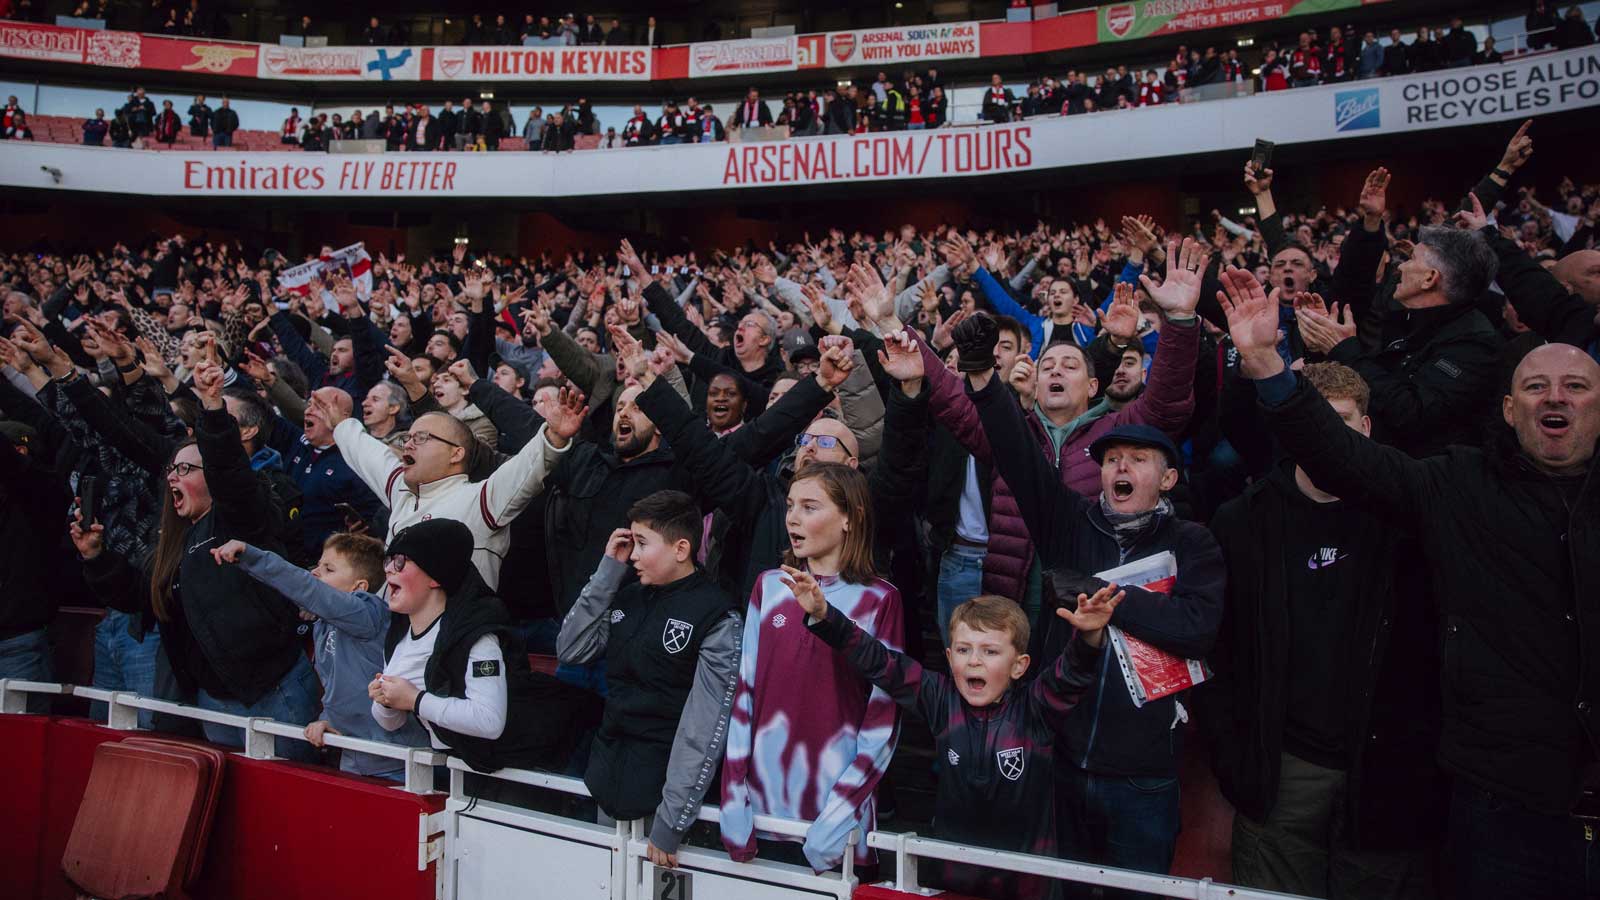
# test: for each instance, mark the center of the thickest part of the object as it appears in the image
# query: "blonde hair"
(991, 612)
(1335, 381)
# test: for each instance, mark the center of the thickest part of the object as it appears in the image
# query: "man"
(325, 480)
(754, 351)
(1370, 59)
(469, 125)
(1117, 786)
(141, 112)
(752, 112)
(385, 403)
(430, 479)
(670, 125)
(710, 127)
(1459, 45)
(1436, 354)
(494, 127)
(356, 363)
(1108, 92)
(997, 101)
(374, 34)
(616, 37)
(638, 131)
(1507, 533)
(592, 33)
(1396, 56)
(449, 125)
(1339, 58)
(1305, 62)
(200, 115)
(1319, 717)
(223, 125)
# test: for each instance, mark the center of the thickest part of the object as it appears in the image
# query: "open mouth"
(408, 460)
(1122, 489)
(796, 539)
(976, 684)
(720, 410)
(1056, 387)
(1554, 423)
(624, 430)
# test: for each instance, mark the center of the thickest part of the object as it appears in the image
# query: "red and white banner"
(743, 57)
(24, 40)
(353, 262)
(125, 49)
(541, 63)
(912, 43)
(298, 278)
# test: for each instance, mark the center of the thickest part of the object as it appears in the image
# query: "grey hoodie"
(349, 633)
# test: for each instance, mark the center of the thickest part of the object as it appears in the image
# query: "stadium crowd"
(745, 495)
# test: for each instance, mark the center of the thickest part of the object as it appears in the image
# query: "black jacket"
(544, 716)
(1393, 800)
(225, 121)
(589, 493)
(1107, 733)
(1509, 551)
(1540, 300)
(33, 503)
(244, 630)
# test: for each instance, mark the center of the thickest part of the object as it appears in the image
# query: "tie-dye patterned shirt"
(809, 737)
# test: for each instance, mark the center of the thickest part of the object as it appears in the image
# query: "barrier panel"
(291, 830)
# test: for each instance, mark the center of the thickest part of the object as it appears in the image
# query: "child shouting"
(993, 735)
(671, 645)
(351, 622)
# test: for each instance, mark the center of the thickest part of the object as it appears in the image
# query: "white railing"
(531, 840)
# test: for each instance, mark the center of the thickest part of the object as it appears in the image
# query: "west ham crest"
(1011, 763)
(676, 635)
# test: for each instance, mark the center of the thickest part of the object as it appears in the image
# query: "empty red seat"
(138, 826)
(218, 758)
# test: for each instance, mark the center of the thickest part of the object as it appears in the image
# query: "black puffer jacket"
(1509, 550)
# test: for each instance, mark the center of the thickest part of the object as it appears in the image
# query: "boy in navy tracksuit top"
(994, 733)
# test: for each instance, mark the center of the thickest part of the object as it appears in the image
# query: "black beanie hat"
(442, 548)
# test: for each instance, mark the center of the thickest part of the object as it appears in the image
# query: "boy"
(994, 736)
(671, 645)
(350, 626)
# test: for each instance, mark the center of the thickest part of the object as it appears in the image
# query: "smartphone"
(89, 499)
(1261, 156)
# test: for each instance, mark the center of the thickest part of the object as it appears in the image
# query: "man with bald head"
(325, 480)
(1508, 538)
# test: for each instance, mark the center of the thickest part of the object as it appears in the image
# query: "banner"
(24, 40)
(916, 43)
(743, 57)
(1129, 21)
(1386, 108)
(209, 57)
(125, 49)
(340, 63)
(542, 63)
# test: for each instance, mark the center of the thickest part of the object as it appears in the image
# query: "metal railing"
(627, 840)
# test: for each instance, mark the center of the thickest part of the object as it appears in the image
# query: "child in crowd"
(810, 738)
(671, 645)
(351, 622)
(993, 737)
(454, 664)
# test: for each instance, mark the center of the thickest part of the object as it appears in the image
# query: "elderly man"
(1508, 537)
(385, 403)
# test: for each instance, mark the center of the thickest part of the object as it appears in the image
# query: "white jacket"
(486, 507)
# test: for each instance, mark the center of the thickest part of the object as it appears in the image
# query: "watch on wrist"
(1502, 173)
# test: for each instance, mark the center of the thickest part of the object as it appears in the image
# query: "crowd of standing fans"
(746, 497)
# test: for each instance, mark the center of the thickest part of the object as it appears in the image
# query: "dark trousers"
(1115, 820)
(1499, 849)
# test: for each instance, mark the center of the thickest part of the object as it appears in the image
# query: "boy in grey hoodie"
(350, 626)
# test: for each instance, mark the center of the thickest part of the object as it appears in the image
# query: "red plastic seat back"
(134, 832)
(217, 760)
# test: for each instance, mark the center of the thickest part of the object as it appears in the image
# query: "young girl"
(809, 737)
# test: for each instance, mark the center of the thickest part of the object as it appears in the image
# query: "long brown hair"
(847, 488)
(169, 548)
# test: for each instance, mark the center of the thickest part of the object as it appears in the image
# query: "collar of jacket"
(435, 488)
(1407, 324)
(1162, 513)
(268, 459)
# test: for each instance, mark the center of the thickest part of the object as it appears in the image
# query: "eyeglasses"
(396, 564)
(184, 468)
(823, 441)
(419, 438)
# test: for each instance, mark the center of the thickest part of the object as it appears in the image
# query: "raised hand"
(1374, 197)
(901, 357)
(1093, 613)
(228, 553)
(1518, 150)
(1252, 322)
(1138, 232)
(536, 321)
(323, 400)
(627, 257)
(90, 541)
(1179, 292)
(818, 304)
(620, 545)
(806, 591)
(866, 287)
(1309, 301)
(1255, 182)
(208, 385)
(565, 418)
(942, 332)
(837, 361)
(629, 351)
(1121, 316)
(1022, 380)
(1474, 218)
(1323, 331)
(463, 373)
(975, 340)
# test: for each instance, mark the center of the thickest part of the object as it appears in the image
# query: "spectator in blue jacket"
(94, 130)
(356, 363)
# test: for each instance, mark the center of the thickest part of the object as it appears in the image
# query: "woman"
(801, 711)
(231, 641)
(448, 391)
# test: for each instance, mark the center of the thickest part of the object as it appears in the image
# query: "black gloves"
(975, 339)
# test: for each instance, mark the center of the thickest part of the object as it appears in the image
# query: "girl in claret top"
(809, 738)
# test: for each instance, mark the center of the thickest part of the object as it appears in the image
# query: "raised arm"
(296, 348)
(585, 630)
(359, 614)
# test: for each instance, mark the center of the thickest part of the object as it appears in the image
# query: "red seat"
(218, 759)
(138, 825)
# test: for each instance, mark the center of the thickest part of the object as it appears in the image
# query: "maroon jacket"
(1166, 403)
